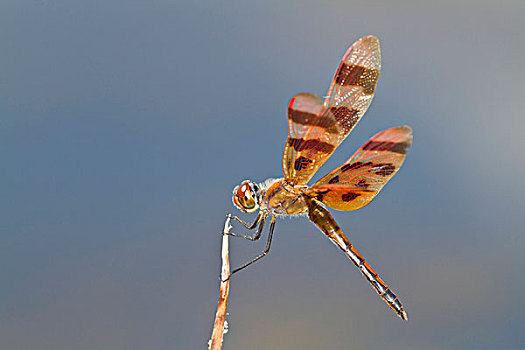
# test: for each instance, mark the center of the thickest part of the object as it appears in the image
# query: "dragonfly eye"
(245, 196)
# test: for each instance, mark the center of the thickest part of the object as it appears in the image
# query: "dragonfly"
(315, 129)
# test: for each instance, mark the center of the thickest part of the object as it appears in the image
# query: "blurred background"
(126, 124)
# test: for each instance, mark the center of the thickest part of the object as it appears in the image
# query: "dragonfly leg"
(244, 223)
(264, 253)
(261, 219)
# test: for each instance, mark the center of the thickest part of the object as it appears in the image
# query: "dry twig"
(215, 342)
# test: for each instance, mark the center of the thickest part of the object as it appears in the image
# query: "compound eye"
(245, 197)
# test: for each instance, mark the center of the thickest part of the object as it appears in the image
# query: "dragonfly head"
(246, 196)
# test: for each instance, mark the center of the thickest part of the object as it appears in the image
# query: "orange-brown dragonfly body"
(316, 128)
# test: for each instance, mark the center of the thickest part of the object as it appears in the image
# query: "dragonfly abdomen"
(326, 223)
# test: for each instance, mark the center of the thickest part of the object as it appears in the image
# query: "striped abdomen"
(324, 221)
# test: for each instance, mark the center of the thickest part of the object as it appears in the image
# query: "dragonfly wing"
(317, 128)
(313, 135)
(368, 170)
(341, 197)
(326, 223)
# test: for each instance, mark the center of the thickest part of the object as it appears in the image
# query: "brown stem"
(215, 342)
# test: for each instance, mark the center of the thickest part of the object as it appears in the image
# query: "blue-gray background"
(124, 125)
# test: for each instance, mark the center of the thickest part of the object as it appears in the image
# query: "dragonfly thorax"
(246, 196)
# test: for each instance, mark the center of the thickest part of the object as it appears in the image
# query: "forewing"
(354, 82)
(313, 135)
(369, 169)
(316, 129)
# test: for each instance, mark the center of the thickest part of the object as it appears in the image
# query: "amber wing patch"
(313, 135)
(317, 128)
(369, 169)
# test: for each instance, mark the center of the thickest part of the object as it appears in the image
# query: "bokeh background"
(124, 126)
